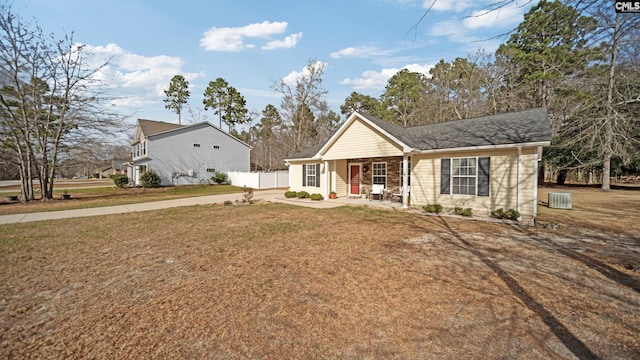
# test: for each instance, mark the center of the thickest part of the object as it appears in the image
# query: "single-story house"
(114, 167)
(483, 163)
(185, 154)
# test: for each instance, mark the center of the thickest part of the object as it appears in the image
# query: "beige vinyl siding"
(295, 176)
(425, 181)
(361, 141)
(342, 177)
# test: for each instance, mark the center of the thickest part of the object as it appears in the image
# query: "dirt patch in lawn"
(276, 281)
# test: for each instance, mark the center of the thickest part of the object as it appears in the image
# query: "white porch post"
(334, 184)
(405, 180)
(326, 179)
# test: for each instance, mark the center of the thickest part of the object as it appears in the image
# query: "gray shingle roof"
(527, 126)
(150, 127)
(308, 152)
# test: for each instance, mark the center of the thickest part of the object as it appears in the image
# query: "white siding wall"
(175, 153)
(342, 178)
(295, 174)
(360, 141)
(425, 181)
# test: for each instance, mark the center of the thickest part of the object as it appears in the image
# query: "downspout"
(405, 180)
(535, 184)
(518, 178)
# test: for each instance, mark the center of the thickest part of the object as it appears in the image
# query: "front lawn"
(82, 198)
(279, 282)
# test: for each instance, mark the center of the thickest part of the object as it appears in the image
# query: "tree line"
(580, 60)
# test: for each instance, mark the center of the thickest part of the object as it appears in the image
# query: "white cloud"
(286, 43)
(360, 52)
(377, 80)
(507, 15)
(448, 5)
(232, 39)
(137, 80)
(294, 76)
(452, 29)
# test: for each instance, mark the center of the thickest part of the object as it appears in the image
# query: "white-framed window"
(463, 176)
(311, 175)
(379, 173)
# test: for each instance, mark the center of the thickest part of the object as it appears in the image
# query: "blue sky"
(251, 43)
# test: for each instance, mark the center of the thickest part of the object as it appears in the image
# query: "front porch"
(371, 179)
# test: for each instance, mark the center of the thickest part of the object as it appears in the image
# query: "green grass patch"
(82, 198)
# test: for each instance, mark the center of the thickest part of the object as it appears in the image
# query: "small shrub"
(498, 213)
(220, 178)
(121, 181)
(433, 208)
(228, 202)
(510, 214)
(464, 212)
(316, 197)
(513, 214)
(150, 179)
(302, 194)
(247, 194)
(290, 194)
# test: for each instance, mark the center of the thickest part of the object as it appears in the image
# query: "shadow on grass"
(604, 269)
(570, 341)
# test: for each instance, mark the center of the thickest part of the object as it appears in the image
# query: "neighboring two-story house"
(185, 154)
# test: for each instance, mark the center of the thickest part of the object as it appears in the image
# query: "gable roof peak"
(150, 127)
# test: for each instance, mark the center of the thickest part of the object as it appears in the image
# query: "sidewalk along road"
(260, 195)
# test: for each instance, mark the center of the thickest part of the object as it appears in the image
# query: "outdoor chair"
(377, 190)
(396, 194)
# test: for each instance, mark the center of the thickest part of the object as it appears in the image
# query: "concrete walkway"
(275, 195)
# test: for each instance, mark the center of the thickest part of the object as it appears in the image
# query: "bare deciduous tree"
(302, 103)
(50, 101)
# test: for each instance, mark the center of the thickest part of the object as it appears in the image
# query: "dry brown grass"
(275, 281)
(82, 198)
(614, 211)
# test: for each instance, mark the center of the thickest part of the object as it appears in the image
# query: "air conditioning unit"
(190, 172)
(560, 200)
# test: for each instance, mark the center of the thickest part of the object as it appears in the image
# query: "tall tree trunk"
(608, 121)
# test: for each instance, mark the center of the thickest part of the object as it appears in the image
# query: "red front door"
(354, 180)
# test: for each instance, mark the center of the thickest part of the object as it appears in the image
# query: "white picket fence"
(260, 180)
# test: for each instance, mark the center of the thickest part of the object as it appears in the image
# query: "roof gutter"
(301, 159)
(484, 147)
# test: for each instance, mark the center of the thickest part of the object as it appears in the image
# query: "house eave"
(483, 147)
(191, 126)
(302, 160)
